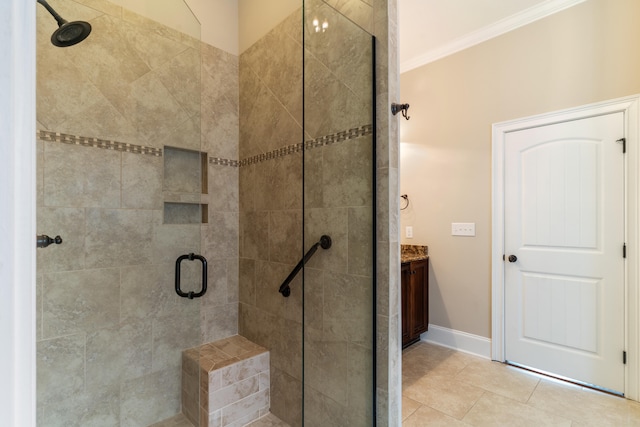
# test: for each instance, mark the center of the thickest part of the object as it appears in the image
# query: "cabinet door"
(406, 314)
(420, 297)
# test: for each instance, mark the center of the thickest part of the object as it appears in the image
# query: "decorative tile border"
(224, 162)
(313, 143)
(97, 143)
(274, 154)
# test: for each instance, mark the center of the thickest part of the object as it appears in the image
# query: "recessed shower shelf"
(185, 186)
(185, 213)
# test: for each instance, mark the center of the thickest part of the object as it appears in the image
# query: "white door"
(564, 232)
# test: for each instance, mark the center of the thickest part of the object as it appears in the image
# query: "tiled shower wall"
(271, 207)
(110, 327)
(338, 198)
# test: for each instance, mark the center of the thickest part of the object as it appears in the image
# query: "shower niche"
(185, 186)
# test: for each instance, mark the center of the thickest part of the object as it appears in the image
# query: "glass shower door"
(339, 188)
(306, 171)
(122, 181)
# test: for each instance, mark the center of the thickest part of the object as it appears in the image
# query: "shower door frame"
(18, 213)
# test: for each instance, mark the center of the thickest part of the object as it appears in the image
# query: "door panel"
(564, 221)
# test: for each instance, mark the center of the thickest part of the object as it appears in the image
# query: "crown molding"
(496, 29)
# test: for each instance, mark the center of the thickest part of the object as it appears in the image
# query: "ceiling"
(432, 29)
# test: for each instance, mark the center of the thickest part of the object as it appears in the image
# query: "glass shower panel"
(339, 187)
(305, 173)
(122, 178)
(270, 155)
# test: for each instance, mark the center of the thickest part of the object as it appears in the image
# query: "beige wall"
(584, 54)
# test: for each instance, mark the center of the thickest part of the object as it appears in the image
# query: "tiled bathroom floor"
(443, 387)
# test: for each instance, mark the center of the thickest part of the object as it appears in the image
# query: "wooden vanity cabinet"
(415, 300)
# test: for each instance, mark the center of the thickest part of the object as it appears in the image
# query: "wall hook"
(395, 108)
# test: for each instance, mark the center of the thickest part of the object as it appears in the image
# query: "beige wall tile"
(247, 278)
(238, 411)
(233, 393)
(69, 224)
(172, 240)
(117, 354)
(286, 397)
(148, 293)
(141, 181)
(326, 368)
(151, 398)
(361, 241)
(347, 316)
(343, 40)
(223, 188)
(98, 406)
(217, 285)
(347, 177)
(62, 89)
(76, 176)
(359, 11)
(219, 322)
(80, 301)
(324, 411)
(171, 335)
(244, 369)
(285, 232)
(254, 227)
(118, 237)
(60, 368)
(233, 278)
(334, 223)
(221, 238)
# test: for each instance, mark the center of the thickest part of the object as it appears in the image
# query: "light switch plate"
(463, 228)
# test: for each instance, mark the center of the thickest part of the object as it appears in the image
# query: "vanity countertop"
(410, 253)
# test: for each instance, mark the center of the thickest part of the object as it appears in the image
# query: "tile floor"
(443, 387)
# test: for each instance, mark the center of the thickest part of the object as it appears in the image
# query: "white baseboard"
(458, 340)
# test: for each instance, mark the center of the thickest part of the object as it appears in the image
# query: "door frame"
(631, 107)
(18, 214)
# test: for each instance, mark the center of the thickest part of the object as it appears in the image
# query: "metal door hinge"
(624, 357)
(624, 250)
(623, 141)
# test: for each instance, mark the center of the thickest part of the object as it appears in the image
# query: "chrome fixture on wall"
(68, 33)
(396, 108)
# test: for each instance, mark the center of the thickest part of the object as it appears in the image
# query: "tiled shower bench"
(225, 383)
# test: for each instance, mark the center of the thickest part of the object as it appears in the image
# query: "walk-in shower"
(68, 33)
(153, 144)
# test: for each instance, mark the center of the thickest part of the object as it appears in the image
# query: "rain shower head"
(68, 33)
